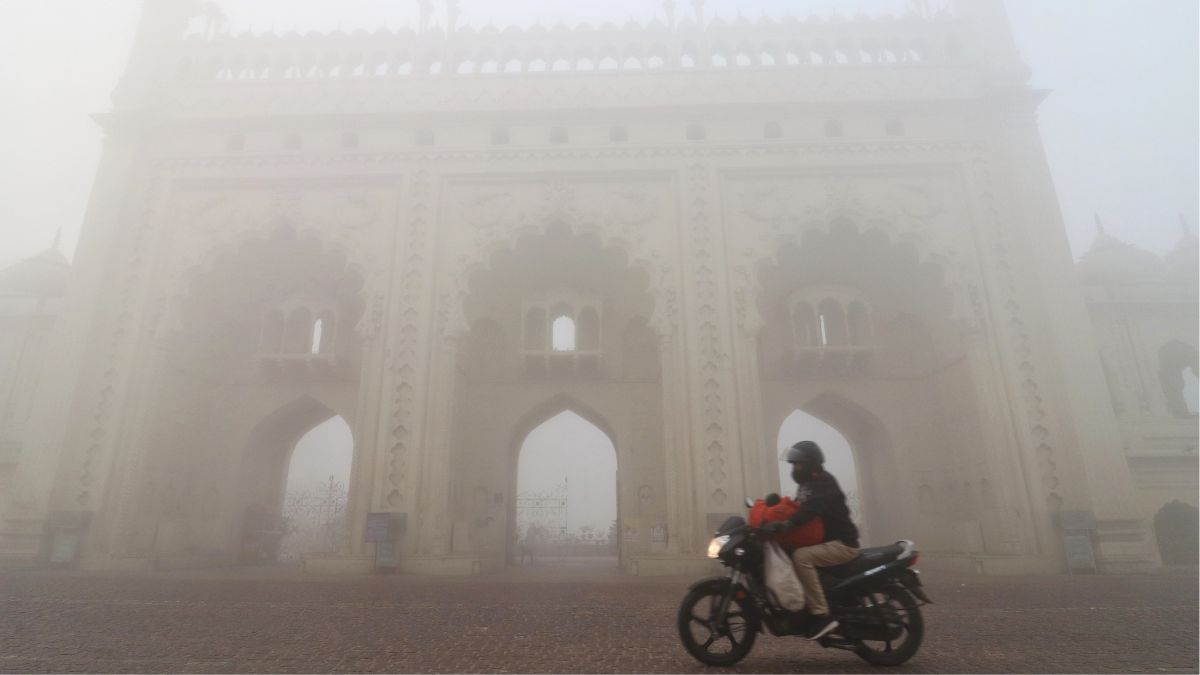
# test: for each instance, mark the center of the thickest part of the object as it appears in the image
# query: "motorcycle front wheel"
(713, 642)
(906, 628)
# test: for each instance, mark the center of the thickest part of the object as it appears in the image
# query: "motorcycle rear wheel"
(711, 644)
(901, 609)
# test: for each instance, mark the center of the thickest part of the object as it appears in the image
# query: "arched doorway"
(315, 495)
(566, 488)
(257, 352)
(294, 480)
(839, 459)
(558, 322)
(860, 331)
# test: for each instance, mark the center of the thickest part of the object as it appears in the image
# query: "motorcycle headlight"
(714, 546)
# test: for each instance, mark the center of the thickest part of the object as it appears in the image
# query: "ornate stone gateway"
(733, 221)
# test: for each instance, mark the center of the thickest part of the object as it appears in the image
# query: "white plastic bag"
(782, 581)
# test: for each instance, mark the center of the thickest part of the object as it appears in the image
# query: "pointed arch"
(551, 407)
(870, 442)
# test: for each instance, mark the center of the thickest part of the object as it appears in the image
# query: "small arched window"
(562, 332)
(323, 332)
(317, 331)
(832, 323)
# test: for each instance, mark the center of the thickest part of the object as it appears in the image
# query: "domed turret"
(43, 275)
(1112, 262)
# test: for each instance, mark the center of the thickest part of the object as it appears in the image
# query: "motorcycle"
(875, 598)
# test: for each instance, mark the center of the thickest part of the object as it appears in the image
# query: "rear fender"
(897, 570)
(911, 579)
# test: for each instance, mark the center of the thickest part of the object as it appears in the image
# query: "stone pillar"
(677, 460)
(77, 373)
(117, 519)
(1092, 457)
(758, 447)
(370, 447)
(407, 372)
(434, 509)
(1009, 525)
(707, 331)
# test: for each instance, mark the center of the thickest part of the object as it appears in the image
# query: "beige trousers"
(808, 559)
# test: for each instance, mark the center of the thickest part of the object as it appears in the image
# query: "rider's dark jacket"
(819, 494)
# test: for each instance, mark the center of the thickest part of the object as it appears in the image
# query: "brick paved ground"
(563, 621)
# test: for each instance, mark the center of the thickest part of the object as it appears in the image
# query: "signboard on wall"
(385, 526)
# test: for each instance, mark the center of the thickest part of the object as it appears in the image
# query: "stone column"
(77, 372)
(1016, 530)
(677, 460)
(711, 395)
(369, 444)
(401, 470)
(435, 512)
(761, 475)
(143, 412)
(1073, 385)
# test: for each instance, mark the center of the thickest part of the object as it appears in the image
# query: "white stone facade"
(677, 191)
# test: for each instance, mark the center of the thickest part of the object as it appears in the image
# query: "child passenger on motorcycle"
(818, 494)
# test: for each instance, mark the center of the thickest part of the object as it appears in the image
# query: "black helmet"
(807, 453)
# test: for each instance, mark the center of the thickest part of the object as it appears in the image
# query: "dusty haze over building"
(682, 229)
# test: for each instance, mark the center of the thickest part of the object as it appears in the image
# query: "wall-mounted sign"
(385, 526)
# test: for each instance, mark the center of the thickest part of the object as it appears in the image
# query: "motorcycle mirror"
(749, 502)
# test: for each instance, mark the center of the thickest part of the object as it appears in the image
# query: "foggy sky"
(1120, 127)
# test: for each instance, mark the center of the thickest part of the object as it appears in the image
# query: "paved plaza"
(552, 619)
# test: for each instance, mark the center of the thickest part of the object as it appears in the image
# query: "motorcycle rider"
(818, 494)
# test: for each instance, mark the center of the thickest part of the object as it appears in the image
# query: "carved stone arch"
(203, 263)
(268, 447)
(871, 442)
(783, 231)
(610, 232)
(549, 408)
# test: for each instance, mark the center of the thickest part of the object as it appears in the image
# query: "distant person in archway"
(526, 545)
(818, 495)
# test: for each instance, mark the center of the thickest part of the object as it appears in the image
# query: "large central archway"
(566, 495)
(839, 460)
(557, 323)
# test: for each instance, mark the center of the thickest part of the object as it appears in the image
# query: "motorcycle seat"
(867, 558)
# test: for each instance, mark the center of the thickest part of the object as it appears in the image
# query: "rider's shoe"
(820, 627)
